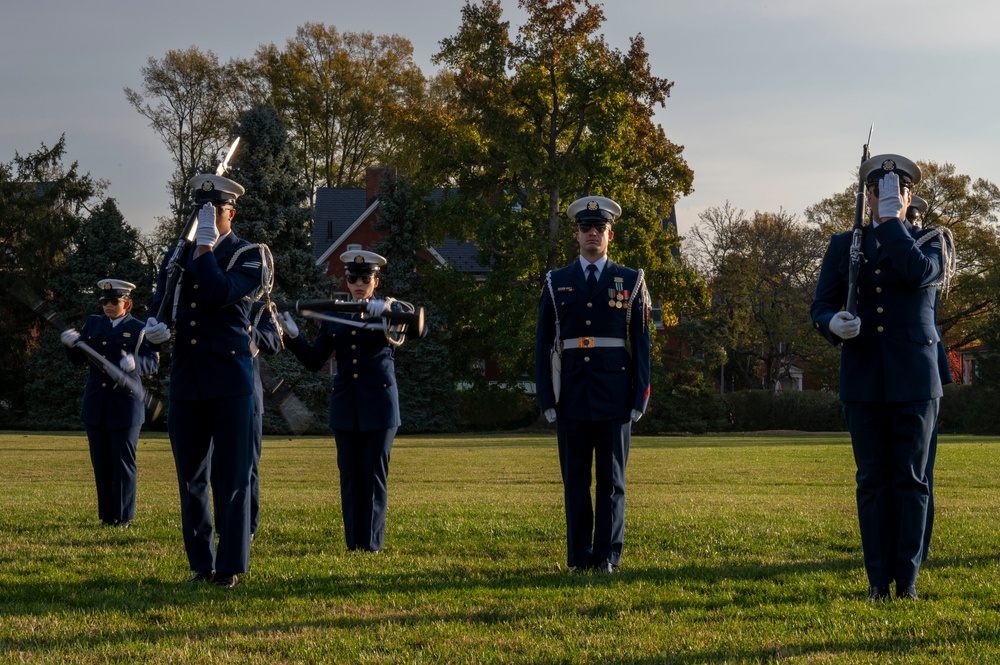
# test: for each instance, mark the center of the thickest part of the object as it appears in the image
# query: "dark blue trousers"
(258, 440)
(891, 442)
(594, 532)
(212, 442)
(363, 460)
(112, 453)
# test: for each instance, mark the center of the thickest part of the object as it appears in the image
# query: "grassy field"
(738, 549)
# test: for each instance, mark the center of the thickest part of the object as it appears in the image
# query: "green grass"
(738, 549)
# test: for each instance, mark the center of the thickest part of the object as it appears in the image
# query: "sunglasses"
(111, 301)
(354, 279)
(585, 228)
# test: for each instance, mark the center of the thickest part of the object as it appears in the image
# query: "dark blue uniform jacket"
(597, 383)
(364, 388)
(105, 403)
(896, 356)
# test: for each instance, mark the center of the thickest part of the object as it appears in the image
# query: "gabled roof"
(335, 213)
(339, 212)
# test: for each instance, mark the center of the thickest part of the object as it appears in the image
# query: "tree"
(189, 112)
(552, 114)
(426, 387)
(762, 271)
(41, 207)
(275, 209)
(342, 94)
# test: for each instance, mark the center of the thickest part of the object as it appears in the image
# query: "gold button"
(588, 323)
(354, 346)
(194, 341)
(879, 310)
(193, 323)
(195, 286)
(590, 304)
(193, 305)
(930, 341)
(354, 362)
(232, 353)
(878, 289)
(355, 376)
(104, 385)
(880, 328)
(878, 271)
(105, 342)
(354, 332)
(586, 359)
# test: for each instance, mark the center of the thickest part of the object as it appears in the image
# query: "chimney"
(373, 179)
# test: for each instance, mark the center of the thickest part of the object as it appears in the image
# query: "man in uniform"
(211, 384)
(594, 315)
(890, 379)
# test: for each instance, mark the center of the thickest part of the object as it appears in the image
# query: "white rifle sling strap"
(555, 355)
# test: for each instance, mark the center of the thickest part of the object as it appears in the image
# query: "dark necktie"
(591, 277)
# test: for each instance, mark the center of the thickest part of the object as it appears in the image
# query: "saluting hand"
(288, 325)
(890, 199)
(207, 233)
(845, 326)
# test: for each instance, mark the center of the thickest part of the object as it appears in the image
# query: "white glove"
(69, 337)
(890, 199)
(845, 326)
(636, 414)
(376, 307)
(286, 323)
(207, 234)
(127, 362)
(156, 333)
(550, 415)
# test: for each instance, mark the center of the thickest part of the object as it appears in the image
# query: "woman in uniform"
(112, 415)
(364, 406)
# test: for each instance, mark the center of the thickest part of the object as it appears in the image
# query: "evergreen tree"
(427, 398)
(41, 206)
(275, 211)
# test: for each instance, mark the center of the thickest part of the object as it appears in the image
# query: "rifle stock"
(858, 234)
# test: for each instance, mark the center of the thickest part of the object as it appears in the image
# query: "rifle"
(175, 266)
(859, 222)
(128, 382)
(412, 322)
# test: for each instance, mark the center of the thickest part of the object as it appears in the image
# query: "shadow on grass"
(464, 592)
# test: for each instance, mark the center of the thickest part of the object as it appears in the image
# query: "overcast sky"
(772, 99)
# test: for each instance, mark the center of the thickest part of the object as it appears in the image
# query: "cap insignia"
(359, 259)
(592, 205)
(208, 185)
(888, 165)
(106, 286)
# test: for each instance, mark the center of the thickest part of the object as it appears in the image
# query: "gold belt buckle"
(585, 342)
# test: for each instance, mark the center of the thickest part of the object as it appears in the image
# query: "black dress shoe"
(877, 593)
(908, 592)
(227, 581)
(124, 524)
(202, 576)
(605, 568)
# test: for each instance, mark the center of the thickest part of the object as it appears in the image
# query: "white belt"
(591, 342)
